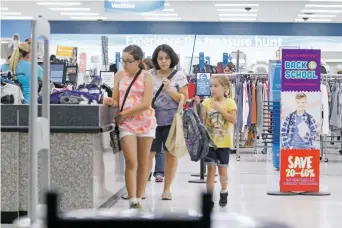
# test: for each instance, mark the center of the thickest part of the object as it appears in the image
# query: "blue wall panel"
(23, 28)
(177, 28)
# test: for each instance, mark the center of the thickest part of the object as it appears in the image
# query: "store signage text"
(256, 41)
(299, 170)
(298, 70)
(133, 5)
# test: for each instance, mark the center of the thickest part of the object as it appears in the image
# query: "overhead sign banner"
(301, 70)
(300, 120)
(133, 6)
(64, 51)
(203, 84)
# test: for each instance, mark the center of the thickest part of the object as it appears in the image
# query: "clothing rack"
(325, 139)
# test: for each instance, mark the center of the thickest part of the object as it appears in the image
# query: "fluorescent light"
(232, 5)
(79, 14)
(313, 20)
(3, 8)
(316, 15)
(166, 4)
(167, 10)
(163, 18)
(88, 18)
(59, 3)
(16, 18)
(333, 60)
(4, 41)
(160, 14)
(321, 11)
(237, 15)
(237, 10)
(69, 9)
(10, 13)
(325, 0)
(323, 6)
(237, 19)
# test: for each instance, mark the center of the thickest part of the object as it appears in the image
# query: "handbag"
(175, 142)
(115, 134)
(162, 86)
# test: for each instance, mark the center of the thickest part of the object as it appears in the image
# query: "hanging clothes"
(11, 94)
(325, 110)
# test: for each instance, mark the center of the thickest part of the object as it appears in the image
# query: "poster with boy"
(300, 120)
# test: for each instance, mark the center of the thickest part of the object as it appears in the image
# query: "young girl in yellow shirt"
(219, 118)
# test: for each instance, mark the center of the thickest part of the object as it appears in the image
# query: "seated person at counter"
(20, 66)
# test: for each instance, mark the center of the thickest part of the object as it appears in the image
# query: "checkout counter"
(78, 152)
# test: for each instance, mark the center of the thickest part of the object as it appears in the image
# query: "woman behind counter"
(20, 66)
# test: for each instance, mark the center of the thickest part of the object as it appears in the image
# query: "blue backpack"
(196, 137)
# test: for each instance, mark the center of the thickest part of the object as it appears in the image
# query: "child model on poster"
(299, 128)
(219, 115)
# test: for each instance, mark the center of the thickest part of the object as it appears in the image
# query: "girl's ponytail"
(142, 66)
(15, 58)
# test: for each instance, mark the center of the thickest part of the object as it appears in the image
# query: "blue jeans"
(160, 163)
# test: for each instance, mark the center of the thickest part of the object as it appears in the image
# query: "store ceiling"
(186, 10)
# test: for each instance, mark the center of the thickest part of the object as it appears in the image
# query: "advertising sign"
(301, 69)
(117, 59)
(225, 59)
(201, 62)
(203, 84)
(300, 170)
(300, 120)
(64, 51)
(104, 42)
(83, 62)
(133, 6)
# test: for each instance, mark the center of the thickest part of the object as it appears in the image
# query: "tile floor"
(249, 181)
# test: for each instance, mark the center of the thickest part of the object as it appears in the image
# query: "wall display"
(203, 84)
(133, 6)
(300, 120)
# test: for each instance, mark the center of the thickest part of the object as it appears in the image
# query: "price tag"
(299, 170)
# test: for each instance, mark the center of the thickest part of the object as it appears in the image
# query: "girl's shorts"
(150, 134)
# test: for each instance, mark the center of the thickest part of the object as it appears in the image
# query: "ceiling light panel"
(10, 13)
(323, 6)
(237, 19)
(59, 3)
(161, 14)
(69, 9)
(3, 8)
(237, 10)
(317, 15)
(16, 18)
(320, 11)
(325, 0)
(79, 14)
(88, 18)
(237, 15)
(236, 5)
(163, 18)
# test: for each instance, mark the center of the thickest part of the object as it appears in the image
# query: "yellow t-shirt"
(219, 129)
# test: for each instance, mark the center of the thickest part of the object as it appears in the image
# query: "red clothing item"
(191, 90)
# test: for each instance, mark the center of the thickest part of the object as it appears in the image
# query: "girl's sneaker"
(135, 206)
(223, 199)
(159, 178)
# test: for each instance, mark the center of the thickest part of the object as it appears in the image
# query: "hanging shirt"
(253, 105)
(219, 129)
(325, 109)
(24, 68)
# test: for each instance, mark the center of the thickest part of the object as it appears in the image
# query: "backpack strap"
(288, 126)
(129, 88)
(162, 86)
